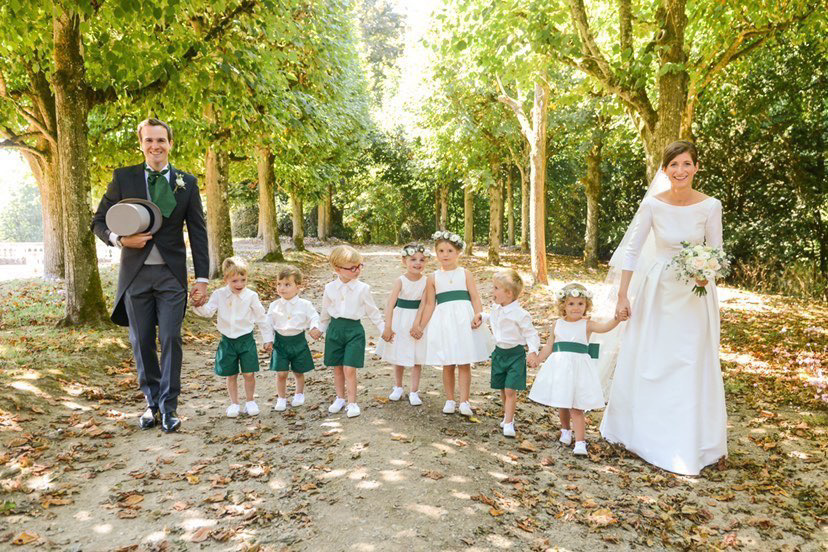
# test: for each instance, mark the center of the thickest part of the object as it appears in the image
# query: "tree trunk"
(46, 172)
(495, 217)
(442, 212)
(84, 296)
(298, 221)
(219, 235)
(524, 210)
(329, 212)
(323, 226)
(592, 189)
(268, 224)
(672, 87)
(468, 218)
(510, 209)
(537, 183)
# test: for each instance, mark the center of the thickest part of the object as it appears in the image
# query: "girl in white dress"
(400, 347)
(456, 335)
(569, 379)
(667, 400)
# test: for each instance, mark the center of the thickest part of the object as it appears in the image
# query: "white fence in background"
(31, 253)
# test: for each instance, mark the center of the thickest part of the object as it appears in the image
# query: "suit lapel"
(138, 182)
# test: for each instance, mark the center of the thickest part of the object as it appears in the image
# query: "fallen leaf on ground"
(26, 537)
(602, 517)
(201, 535)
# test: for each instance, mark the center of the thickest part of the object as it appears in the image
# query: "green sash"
(573, 347)
(408, 303)
(456, 295)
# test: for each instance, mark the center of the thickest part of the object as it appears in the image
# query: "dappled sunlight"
(392, 476)
(75, 406)
(40, 482)
(459, 479)
(433, 512)
(277, 484)
(461, 495)
(83, 515)
(368, 485)
(103, 528)
(502, 543)
(333, 474)
(357, 474)
(197, 523)
(402, 463)
(363, 547)
(155, 537)
(28, 388)
(443, 448)
(500, 476)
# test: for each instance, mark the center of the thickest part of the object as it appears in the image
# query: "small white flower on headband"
(453, 239)
(413, 250)
(574, 292)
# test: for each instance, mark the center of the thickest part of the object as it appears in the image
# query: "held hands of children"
(532, 360)
(477, 321)
(388, 335)
(315, 333)
(267, 347)
(416, 332)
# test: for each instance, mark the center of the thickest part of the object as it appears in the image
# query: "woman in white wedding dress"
(667, 401)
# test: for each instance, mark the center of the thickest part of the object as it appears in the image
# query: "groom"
(152, 281)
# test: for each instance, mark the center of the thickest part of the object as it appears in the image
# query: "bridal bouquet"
(700, 262)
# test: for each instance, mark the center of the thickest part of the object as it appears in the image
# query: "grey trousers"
(156, 298)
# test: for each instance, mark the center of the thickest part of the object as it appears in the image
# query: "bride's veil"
(607, 295)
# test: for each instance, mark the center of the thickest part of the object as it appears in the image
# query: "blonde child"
(453, 313)
(345, 302)
(512, 330)
(238, 310)
(400, 347)
(289, 316)
(568, 379)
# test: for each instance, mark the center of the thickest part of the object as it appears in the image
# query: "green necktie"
(160, 192)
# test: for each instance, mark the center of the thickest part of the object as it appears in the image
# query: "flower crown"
(453, 239)
(413, 250)
(562, 294)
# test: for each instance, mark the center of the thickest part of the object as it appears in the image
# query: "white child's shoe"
(281, 404)
(449, 407)
(233, 411)
(580, 448)
(414, 398)
(566, 437)
(465, 409)
(337, 405)
(353, 410)
(251, 408)
(396, 393)
(509, 429)
(298, 399)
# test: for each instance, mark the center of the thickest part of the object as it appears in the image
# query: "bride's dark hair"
(677, 148)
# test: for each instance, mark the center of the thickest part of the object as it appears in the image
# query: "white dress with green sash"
(404, 350)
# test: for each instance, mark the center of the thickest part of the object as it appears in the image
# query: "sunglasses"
(353, 269)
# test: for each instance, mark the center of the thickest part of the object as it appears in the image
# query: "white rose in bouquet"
(698, 263)
(712, 264)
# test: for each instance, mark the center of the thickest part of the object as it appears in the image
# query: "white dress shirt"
(352, 300)
(237, 313)
(512, 326)
(292, 317)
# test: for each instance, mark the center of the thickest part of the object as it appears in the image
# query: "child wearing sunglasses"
(345, 302)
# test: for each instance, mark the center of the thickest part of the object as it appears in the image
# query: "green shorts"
(291, 353)
(233, 353)
(345, 343)
(509, 368)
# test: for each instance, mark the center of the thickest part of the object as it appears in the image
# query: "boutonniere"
(179, 183)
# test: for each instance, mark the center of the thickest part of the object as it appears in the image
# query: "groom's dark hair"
(154, 122)
(674, 150)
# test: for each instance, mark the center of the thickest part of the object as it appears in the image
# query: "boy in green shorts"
(512, 329)
(238, 310)
(289, 316)
(345, 302)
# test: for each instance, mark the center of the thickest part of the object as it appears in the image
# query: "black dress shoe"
(149, 418)
(170, 422)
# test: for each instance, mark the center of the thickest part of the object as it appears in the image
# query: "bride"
(667, 401)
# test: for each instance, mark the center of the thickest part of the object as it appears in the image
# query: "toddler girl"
(568, 379)
(453, 312)
(400, 347)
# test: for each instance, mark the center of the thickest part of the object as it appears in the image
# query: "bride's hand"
(622, 308)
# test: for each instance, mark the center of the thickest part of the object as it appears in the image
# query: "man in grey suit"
(152, 281)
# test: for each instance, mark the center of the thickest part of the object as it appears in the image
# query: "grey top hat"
(132, 216)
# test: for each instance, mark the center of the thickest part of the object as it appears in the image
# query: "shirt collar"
(511, 307)
(148, 168)
(292, 301)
